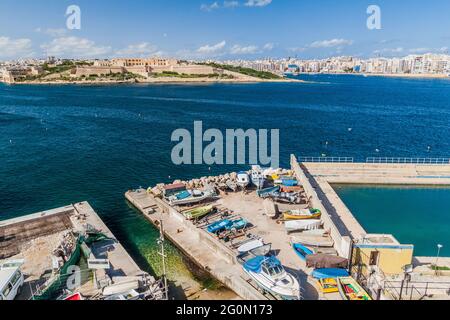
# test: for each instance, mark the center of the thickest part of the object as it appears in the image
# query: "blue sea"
(66, 143)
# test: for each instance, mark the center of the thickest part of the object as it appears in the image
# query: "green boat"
(198, 212)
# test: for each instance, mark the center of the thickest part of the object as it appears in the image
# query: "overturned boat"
(300, 225)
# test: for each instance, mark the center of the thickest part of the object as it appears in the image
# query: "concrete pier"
(34, 237)
(203, 249)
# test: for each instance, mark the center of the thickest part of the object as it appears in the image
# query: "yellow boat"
(302, 214)
(329, 285)
(351, 290)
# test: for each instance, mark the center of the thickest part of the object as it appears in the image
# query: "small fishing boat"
(237, 224)
(267, 192)
(301, 251)
(197, 213)
(190, 197)
(328, 285)
(302, 214)
(243, 180)
(270, 275)
(269, 208)
(329, 273)
(351, 290)
(299, 225)
(257, 177)
(218, 226)
(287, 181)
(284, 197)
(313, 241)
(250, 245)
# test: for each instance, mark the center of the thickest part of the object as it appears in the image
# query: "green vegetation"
(246, 71)
(169, 74)
(437, 268)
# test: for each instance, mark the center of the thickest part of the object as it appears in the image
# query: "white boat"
(270, 275)
(257, 177)
(250, 245)
(313, 241)
(269, 208)
(299, 225)
(243, 180)
(193, 196)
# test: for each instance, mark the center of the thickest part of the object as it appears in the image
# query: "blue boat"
(268, 191)
(237, 224)
(329, 273)
(289, 182)
(219, 226)
(301, 251)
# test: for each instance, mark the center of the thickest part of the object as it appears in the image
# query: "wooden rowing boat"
(351, 290)
(302, 214)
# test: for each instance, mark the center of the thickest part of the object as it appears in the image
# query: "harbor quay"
(382, 266)
(69, 253)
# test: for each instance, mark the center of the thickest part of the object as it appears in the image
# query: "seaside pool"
(418, 215)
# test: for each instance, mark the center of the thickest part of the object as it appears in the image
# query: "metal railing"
(409, 160)
(327, 159)
(416, 289)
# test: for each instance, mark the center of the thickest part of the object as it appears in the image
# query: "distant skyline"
(225, 29)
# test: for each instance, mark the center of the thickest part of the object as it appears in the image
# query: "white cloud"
(331, 43)
(74, 47)
(420, 50)
(389, 51)
(230, 4)
(52, 32)
(210, 7)
(140, 49)
(258, 3)
(15, 48)
(237, 49)
(269, 46)
(212, 49)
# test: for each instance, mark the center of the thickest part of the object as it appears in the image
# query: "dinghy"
(264, 193)
(329, 273)
(351, 290)
(302, 214)
(328, 285)
(269, 208)
(313, 241)
(250, 245)
(270, 275)
(299, 225)
(243, 180)
(198, 212)
(301, 251)
(190, 197)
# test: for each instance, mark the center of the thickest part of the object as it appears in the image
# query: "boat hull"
(274, 288)
(349, 289)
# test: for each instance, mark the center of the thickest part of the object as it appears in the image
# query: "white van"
(11, 279)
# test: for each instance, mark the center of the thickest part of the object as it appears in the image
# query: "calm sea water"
(64, 144)
(415, 215)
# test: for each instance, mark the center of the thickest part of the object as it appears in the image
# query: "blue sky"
(222, 29)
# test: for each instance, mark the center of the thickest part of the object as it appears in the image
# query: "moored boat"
(313, 241)
(329, 273)
(250, 245)
(190, 197)
(243, 180)
(299, 225)
(197, 213)
(270, 275)
(301, 251)
(302, 214)
(264, 193)
(351, 290)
